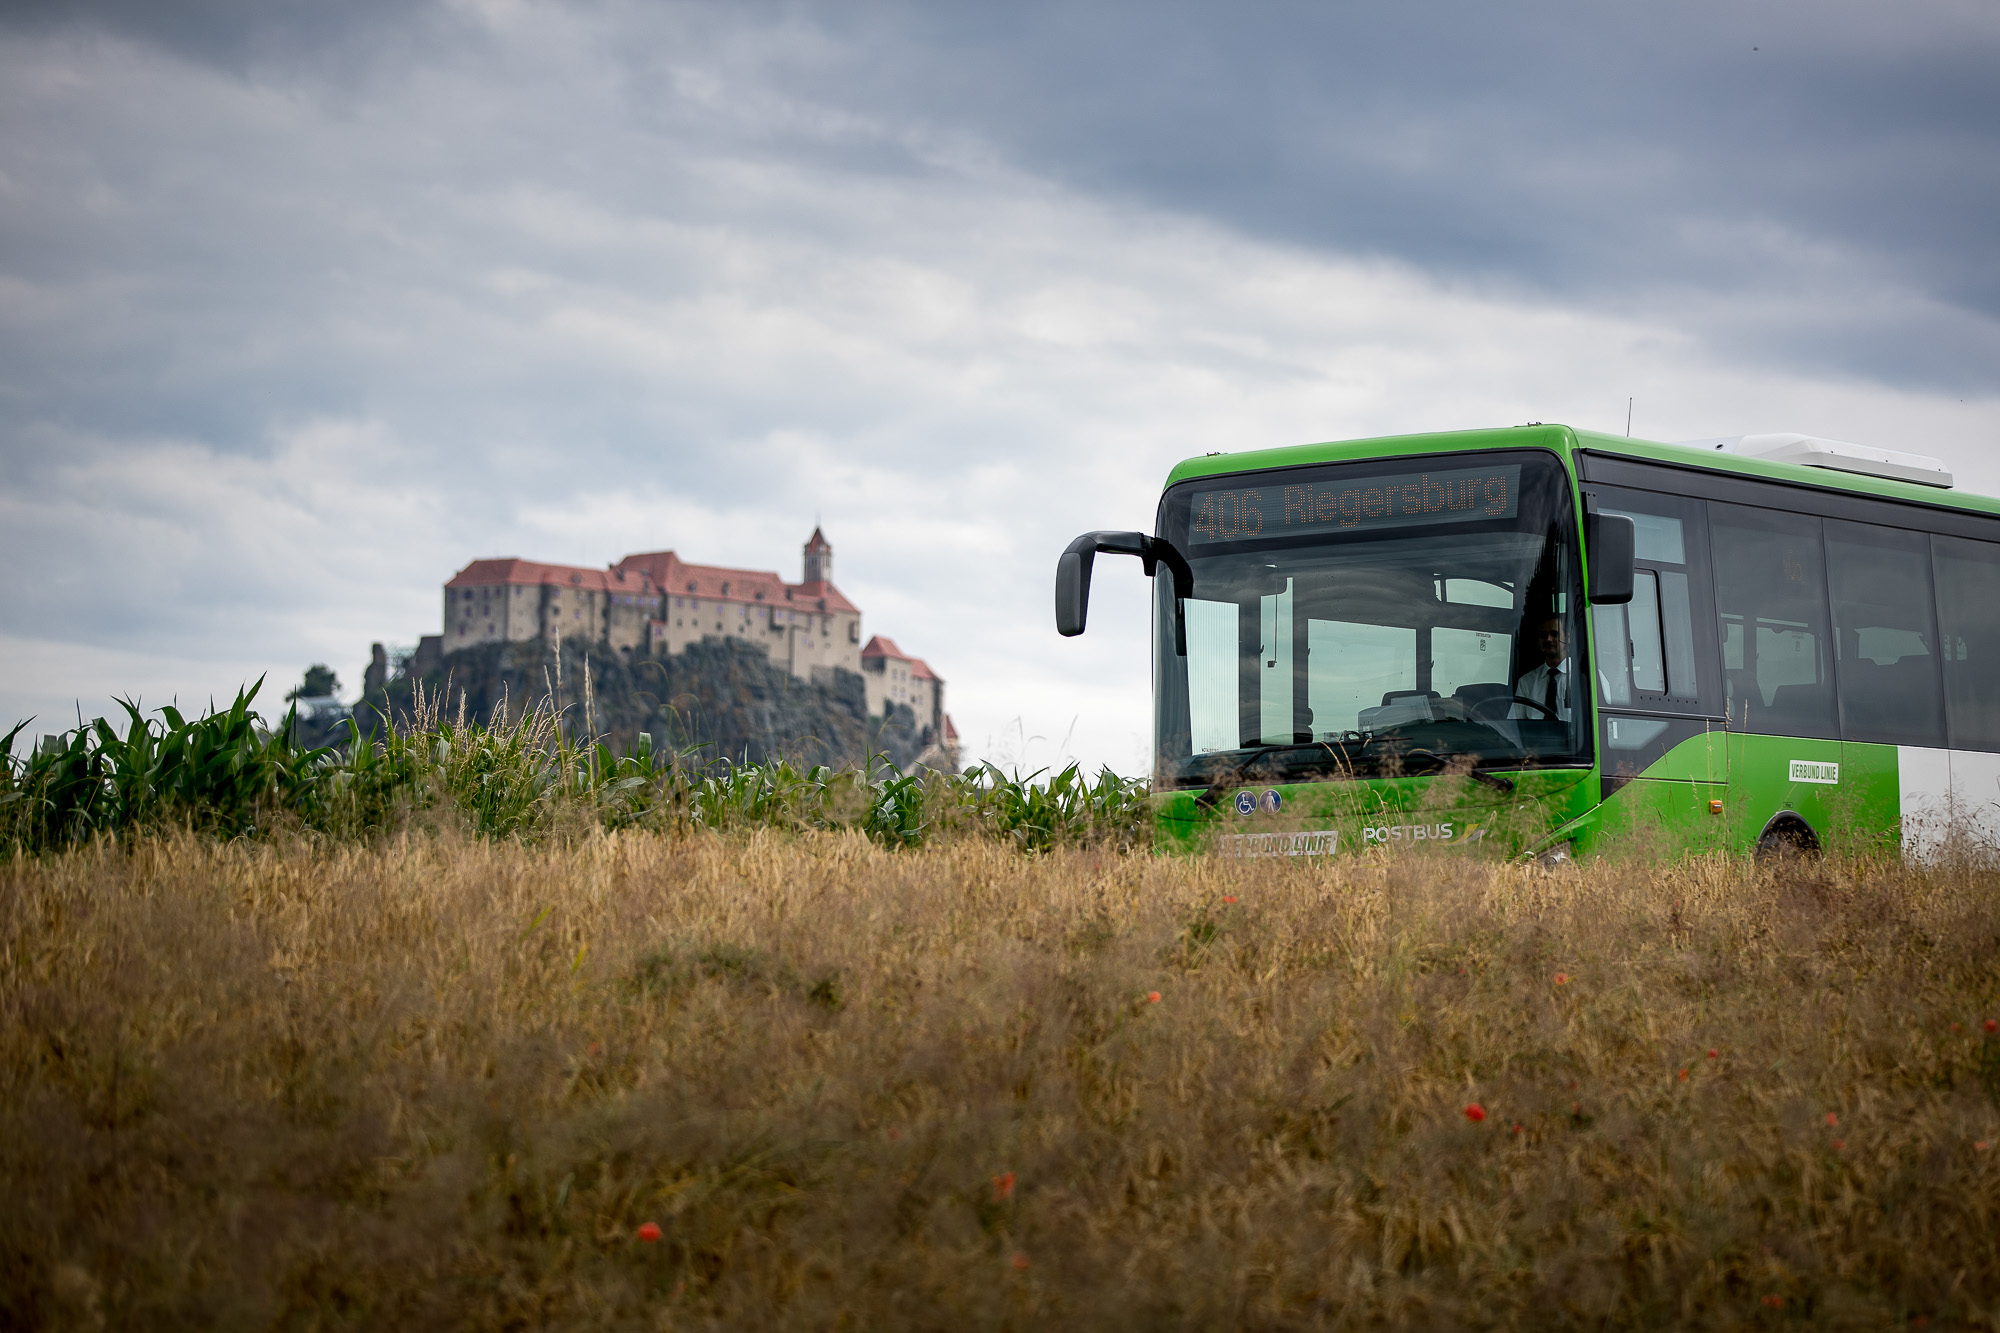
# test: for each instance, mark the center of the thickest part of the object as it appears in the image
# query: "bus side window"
(1884, 632)
(1770, 592)
(1648, 644)
(1968, 596)
(1613, 642)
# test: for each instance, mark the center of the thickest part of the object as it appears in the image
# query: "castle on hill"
(655, 604)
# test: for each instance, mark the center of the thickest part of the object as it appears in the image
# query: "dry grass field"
(797, 1080)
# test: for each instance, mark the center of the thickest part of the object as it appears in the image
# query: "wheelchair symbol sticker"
(1246, 803)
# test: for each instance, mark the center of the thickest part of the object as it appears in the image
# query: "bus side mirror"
(1073, 577)
(1613, 546)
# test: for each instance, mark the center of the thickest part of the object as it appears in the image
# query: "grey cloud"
(1582, 151)
(1575, 151)
(587, 279)
(239, 35)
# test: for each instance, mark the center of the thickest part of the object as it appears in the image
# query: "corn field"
(230, 774)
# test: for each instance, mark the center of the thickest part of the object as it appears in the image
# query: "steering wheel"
(1510, 700)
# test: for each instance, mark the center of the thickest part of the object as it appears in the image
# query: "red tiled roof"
(676, 577)
(818, 590)
(950, 732)
(508, 570)
(881, 646)
(818, 541)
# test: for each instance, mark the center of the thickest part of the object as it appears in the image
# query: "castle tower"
(819, 558)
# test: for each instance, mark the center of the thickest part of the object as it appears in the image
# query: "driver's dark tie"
(1551, 700)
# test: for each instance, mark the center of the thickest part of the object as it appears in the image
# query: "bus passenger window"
(1968, 596)
(1614, 653)
(1648, 644)
(1889, 690)
(1770, 590)
(1649, 662)
(1677, 633)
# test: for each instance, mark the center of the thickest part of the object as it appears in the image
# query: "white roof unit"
(1811, 451)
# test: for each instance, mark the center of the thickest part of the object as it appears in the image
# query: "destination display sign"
(1405, 500)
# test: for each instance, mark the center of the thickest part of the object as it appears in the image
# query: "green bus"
(1544, 642)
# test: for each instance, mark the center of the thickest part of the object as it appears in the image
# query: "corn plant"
(227, 774)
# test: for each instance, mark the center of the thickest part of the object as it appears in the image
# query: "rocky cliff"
(723, 696)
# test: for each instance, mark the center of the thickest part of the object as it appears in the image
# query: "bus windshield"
(1367, 619)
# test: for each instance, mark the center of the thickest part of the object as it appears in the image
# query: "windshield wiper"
(1233, 769)
(1337, 754)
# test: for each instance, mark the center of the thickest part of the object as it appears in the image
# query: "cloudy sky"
(303, 306)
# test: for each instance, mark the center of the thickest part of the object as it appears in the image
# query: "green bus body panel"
(1703, 758)
(1657, 816)
(1855, 807)
(1558, 438)
(1849, 792)
(1389, 814)
(1565, 441)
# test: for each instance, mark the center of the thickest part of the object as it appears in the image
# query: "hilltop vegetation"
(640, 1078)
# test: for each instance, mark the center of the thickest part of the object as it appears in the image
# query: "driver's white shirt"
(1535, 685)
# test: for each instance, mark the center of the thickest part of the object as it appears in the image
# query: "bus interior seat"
(1394, 695)
(1478, 692)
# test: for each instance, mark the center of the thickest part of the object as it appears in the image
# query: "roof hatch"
(1811, 451)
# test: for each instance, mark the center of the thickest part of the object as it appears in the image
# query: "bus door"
(1778, 674)
(1663, 737)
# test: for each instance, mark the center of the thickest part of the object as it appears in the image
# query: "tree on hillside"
(318, 684)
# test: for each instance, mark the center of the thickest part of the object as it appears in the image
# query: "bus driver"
(1547, 684)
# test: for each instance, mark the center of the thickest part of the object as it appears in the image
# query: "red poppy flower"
(1229, 897)
(1003, 1186)
(1517, 1128)
(1832, 1119)
(649, 1232)
(1475, 1113)
(1840, 1145)
(1020, 1261)
(1684, 1074)
(1774, 1301)
(1980, 1146)
(1713, 1053)
(1993, 1025)
(1152, 997)
(1562, 978)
